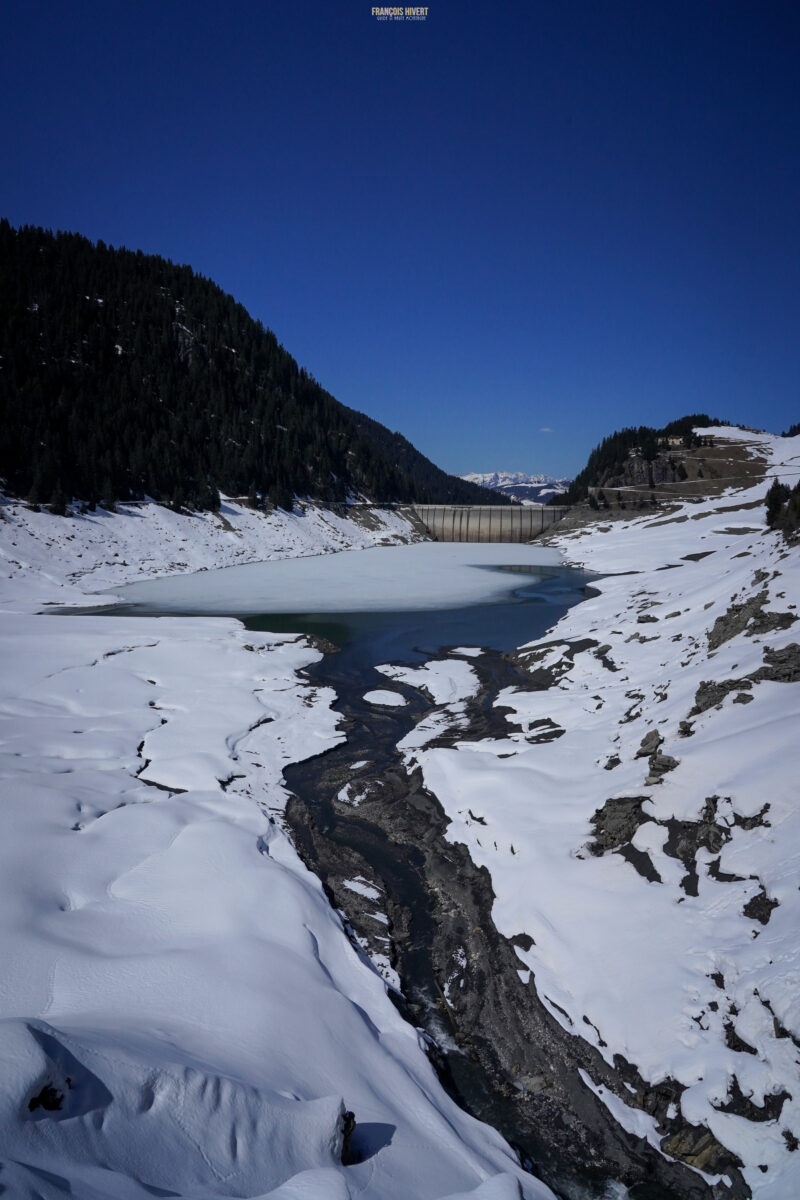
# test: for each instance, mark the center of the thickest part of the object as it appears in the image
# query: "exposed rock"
(780, 666)
(759, 818)
(760, 907)
(659, 765)
(348, 1129)
(699, 1148)
(601, 653)
(49, 1098)
(749, 613)
(641, 862)
(615, 824)
(743, 1106)
(734, 1042)
(711, 693)
(649, 744)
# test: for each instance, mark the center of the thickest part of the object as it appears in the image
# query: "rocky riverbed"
(421, 908)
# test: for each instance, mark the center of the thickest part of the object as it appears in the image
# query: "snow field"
(633, 954)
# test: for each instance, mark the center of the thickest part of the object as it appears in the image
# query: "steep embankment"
(640, 824)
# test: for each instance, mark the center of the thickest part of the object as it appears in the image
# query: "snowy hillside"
(181, 1011)
(48, 559)
(641, 826)
(531, 489)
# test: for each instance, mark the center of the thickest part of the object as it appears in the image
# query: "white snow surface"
(633, 965)
(63, 559)
(389, 699)
(171, 972)
(424, 576)
(445, 680)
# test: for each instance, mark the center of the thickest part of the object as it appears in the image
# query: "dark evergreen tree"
(58, 501)
(777, 495)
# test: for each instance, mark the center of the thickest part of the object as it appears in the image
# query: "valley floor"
(183, 1013)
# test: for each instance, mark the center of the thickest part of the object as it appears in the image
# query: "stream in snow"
(453, 607)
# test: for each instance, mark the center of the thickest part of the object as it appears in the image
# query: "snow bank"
(390, 699)
(446, 681)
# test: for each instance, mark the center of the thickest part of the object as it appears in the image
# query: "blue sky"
(511, 217)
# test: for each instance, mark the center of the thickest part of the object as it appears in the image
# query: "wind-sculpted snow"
(181, 1011)
(651, 848)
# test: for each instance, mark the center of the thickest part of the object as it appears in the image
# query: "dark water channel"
(364, 639)
(394, 838)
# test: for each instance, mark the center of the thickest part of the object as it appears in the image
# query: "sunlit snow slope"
(651, 848)
(181, 1012)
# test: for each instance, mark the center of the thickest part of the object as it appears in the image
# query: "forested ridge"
(123, 375)
(607, 461)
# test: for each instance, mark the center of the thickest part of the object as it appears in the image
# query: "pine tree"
(58, 501)
(107, 499)
(776, 498)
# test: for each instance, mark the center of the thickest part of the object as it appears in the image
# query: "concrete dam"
(488, 522)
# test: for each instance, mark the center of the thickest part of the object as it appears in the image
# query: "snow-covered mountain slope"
(533, 489)
(52, 559)
(641, 825)
(181, 1011)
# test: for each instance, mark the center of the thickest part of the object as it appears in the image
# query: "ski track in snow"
(171, 971)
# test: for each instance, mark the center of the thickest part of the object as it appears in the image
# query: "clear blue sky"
(569, 215)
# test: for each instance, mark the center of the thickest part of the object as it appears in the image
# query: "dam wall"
(488, 523)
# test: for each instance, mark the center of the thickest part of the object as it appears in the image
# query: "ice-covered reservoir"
(428, 575)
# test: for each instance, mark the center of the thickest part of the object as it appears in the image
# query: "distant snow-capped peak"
(533, 489)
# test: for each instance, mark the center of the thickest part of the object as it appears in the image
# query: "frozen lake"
(399, 603)
(425, 576)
